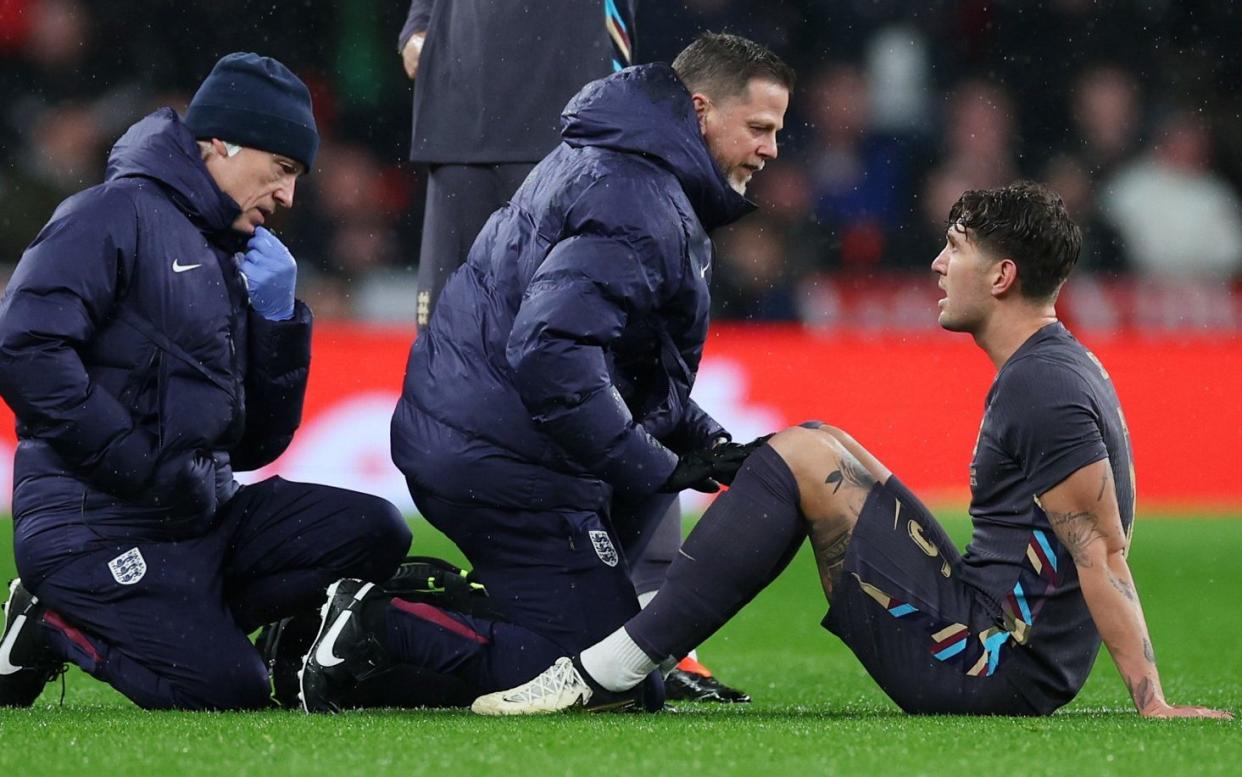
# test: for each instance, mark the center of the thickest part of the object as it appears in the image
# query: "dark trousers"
(460, 198)
(166, 623)
(563, 580)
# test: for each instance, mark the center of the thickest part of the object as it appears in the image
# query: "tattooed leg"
(829, 554)
(833, 486)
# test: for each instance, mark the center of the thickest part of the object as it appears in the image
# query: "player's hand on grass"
(1161, 709)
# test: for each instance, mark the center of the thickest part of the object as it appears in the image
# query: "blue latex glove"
(271, 273)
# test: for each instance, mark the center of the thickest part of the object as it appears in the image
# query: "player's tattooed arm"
(1077, 530)
(1085, 518)
(1143, 691)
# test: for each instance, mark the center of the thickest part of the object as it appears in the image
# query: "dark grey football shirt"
(1051, 411)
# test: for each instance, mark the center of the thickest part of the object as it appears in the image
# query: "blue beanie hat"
(257, 102)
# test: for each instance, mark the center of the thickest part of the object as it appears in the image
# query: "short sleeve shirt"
(1051, 411)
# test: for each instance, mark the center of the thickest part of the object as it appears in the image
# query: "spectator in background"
(860, 178)
(1083, 75)
(1106, 118)
(64, 153)
(980, 134)
(346, 229)
(1102, 251)
(752, 282)
(940, 190)
(978, 152)
(1177, 217)
(52, 63)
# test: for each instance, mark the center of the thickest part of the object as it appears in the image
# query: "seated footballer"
(1011, 627)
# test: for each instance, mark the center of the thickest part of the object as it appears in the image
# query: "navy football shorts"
(934, 643)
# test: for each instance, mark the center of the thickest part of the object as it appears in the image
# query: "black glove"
(729, 457)
(693, 470)
(704, 470)
(184, 486)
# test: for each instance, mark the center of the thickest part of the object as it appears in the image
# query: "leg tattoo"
(829, 555)
(850, 471)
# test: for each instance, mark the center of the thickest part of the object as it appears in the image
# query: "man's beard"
(729, 173)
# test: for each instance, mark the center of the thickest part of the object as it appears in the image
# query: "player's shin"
(744, 540)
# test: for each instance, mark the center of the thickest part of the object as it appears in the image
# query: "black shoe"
(283, 645)
(681, 685)
(343, 652)
(26, 662)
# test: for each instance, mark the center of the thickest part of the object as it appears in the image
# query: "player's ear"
(1004, 277)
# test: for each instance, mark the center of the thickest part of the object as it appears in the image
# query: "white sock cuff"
(617, 662)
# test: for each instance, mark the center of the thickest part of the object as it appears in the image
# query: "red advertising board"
(914, 399)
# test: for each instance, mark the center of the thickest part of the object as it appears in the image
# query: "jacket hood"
(161, 148)
(647, 110)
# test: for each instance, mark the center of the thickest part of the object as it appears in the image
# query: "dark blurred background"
(1129, 109)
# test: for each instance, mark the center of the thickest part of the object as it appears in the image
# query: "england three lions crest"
(604, 548)
(129, 567)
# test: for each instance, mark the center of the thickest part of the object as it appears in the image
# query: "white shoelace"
(552, 682)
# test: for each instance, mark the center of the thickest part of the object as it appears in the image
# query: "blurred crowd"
(1129, 109)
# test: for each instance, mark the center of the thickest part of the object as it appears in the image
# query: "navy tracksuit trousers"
(166, 622)
(563, 579)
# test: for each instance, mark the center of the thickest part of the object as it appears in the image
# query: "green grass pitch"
(815, 710)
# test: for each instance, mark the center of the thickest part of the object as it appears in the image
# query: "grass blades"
(815, 710)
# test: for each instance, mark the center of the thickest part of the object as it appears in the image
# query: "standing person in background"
(490, 80)
(487, 107)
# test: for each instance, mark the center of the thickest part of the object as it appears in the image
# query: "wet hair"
(721, 65)
(1026, 222)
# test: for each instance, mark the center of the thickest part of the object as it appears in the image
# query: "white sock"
(617, 662)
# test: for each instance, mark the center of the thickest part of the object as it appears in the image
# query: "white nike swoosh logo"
(323, 654)
(6, 649)
(178, 267)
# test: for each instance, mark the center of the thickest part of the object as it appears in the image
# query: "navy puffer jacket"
(557, 368)
(138, 373)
